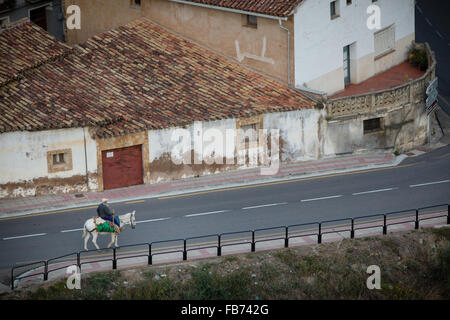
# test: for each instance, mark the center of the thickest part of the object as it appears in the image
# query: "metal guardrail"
(320, 229)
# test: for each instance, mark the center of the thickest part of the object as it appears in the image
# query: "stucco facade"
(319, 41)
(24, 166)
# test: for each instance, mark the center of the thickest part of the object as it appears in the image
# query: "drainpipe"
(289, 51)
(85, 160)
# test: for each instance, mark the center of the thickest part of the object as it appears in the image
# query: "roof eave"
(230, 10)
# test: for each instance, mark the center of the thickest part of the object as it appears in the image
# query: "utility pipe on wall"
(289, 51)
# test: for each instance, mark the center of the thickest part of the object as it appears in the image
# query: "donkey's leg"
(112, 240)
(86, 238)
(117, 237)
(94, 239)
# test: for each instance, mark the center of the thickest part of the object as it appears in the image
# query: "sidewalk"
(354, 162)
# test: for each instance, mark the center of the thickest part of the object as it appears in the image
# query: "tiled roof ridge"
(25, 22)
(24, 72)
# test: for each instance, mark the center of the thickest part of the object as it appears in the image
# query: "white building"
(334, 46)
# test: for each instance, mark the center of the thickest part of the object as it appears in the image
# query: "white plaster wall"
(160, 141)
(299, 131)
(23, 155)
(319, 41)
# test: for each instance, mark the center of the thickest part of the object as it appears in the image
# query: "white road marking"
(323, 198)
(264, 205)
(152, 220)
(428, 21)
(418, 8)
(428, 183)
(440, 35)
(373, 191)
(26, 236)
(204, 213)
(72, 230)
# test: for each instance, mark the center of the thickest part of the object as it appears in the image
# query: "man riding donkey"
(104, 212)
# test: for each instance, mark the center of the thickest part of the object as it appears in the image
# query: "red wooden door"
(122, 167)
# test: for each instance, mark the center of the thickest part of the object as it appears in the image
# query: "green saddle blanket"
(105, 227)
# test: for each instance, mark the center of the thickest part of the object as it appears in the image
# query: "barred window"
(384, 40)
(372, 125)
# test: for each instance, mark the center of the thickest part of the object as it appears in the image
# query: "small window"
(135, 3)
(372, 125)
(249, 134)
(252, 21)
(334, 9)
(349, 2)
(58, 158)
(384, 41)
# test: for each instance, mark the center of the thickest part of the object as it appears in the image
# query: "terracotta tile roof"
(24, 47)
(134, 78)
(279, 8)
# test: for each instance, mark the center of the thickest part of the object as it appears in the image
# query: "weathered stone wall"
(402, 109)
(26, 169)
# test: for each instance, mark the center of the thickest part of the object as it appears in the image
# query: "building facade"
(322, 45)
(47, 14)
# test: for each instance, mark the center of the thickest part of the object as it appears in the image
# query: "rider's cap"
(104, 200)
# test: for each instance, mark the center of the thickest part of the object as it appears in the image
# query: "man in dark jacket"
(105, 213)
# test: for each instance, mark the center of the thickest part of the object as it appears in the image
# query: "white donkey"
(91, 228)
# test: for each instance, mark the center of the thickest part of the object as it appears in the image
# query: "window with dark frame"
(252, 21)
(334, 9)
(136, 3)
(349, 2)
(58, 158)
(372, 125)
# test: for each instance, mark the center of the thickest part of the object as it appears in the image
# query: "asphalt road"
(433, 26)
(417, 182)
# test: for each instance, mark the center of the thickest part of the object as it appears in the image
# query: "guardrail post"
(150, 258)
(416, 224)
(286, 239)
(319, 236)
(114, 259)
(384, 225)
(78, 260)
(253, 242)
(219, 245)
(12, 278)
(352, 232)
(45, 270)
(448, 214)
(184, 250)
